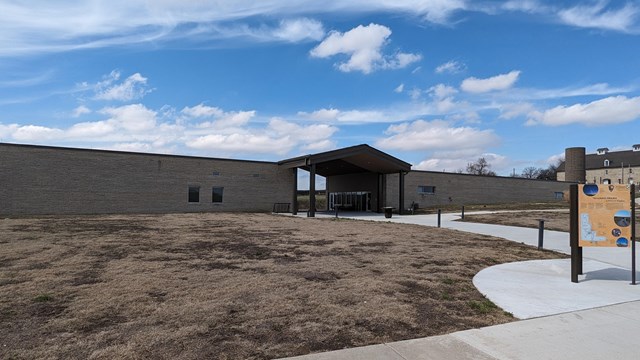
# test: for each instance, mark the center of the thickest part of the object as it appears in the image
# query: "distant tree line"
(548, 173)
(483, 168)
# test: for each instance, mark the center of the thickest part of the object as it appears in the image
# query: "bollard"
(540, 233)
(439, 215)
(462, 217)
(336, 206)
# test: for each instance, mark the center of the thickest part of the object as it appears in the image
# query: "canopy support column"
(401, 192)
(294, 199)
(312, 191)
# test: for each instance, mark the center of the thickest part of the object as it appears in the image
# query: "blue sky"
(436, 83)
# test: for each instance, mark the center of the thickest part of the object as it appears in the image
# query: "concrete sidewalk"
(588, 320)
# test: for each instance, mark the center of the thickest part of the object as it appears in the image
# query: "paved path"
(593, 319)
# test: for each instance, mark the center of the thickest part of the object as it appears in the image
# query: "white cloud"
(348, 116)
(321, 115)
(68, 25)
(498, 82)
(610, 110)
(399, 89)
(35, 133)
(363, 45)
(201, 110)
(80, 110)
(279, 137)
(443, 97)
(297, 30)
(598, 15)
(442, 91)
(510, 111)
(242, 143)
(135, 117)
(137, 128)
(529, 6)
(362, 116)
(453, 161)
(555, 159)
(289, 30)
(452, 67)
(435, 135)
(132, 88)
(91, 130)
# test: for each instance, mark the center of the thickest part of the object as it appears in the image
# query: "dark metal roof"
(616, 159)
(349, 160)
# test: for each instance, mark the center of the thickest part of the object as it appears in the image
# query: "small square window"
(559, 195)
(422, 189)
(216, 194)
(194, 194)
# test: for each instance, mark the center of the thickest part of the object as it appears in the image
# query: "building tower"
(575, 170)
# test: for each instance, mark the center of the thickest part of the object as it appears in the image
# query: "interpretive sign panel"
(604, 215)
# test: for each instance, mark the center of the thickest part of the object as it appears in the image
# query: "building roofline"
(496, 176)
(121, 152)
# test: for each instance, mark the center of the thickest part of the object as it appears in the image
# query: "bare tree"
(531, 172)
(480, 167)
(550, 173)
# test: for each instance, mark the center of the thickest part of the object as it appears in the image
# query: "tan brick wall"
(45, 180)
(461, 189)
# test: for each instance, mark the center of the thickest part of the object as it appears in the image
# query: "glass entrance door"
(350, 201)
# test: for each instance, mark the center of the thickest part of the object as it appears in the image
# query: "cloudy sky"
(437, 83)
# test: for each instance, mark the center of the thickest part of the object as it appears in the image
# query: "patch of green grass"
(43, 298)
(483, 307)
(446, 296)
(448, 281)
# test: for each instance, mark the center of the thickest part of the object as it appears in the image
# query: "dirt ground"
(234, 286)
(553, 220)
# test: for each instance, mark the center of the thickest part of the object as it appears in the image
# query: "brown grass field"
(553, 220)
(234, 286)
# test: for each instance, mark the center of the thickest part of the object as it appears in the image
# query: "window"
(194, 194)
(606, 163)
(606, 181)
(559, 195)
(216, 194)
(422, 189)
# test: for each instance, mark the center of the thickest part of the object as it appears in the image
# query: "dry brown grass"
(234, 286)
(553, 220)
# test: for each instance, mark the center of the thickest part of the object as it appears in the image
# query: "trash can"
(388, 212)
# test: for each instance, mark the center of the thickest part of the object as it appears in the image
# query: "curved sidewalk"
(588, 320)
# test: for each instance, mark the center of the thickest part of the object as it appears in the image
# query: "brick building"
(55, 180)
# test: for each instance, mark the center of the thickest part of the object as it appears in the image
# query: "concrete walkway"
(588, 320)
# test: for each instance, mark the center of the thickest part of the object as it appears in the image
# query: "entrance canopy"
(350, 160)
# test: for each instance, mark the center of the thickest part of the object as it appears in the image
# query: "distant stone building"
(610, 167)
